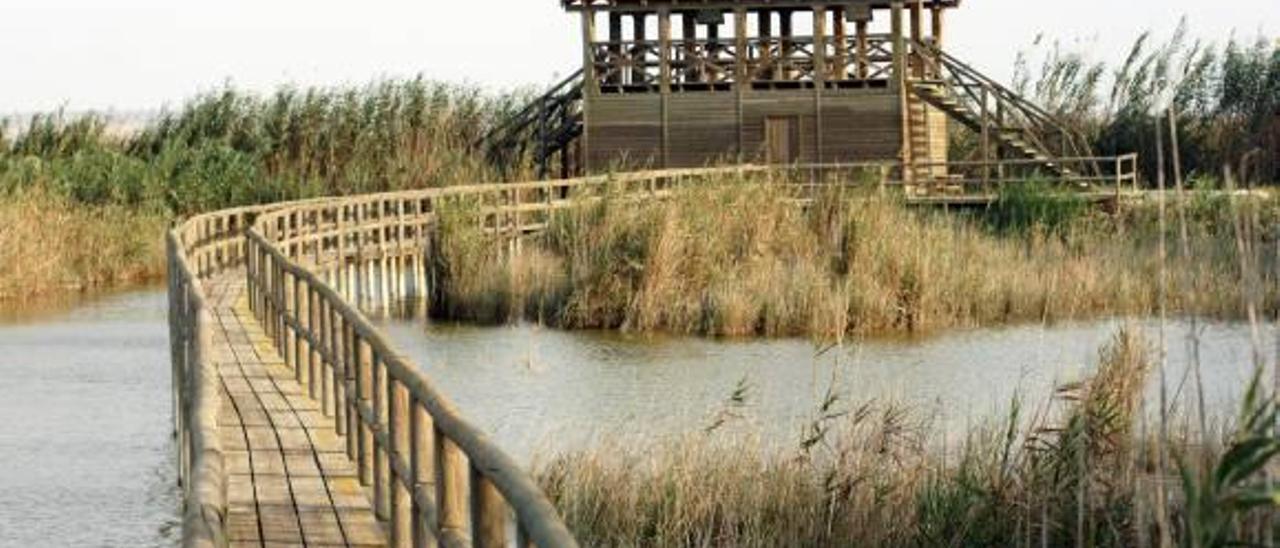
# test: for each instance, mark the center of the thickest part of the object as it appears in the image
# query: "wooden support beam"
(938, 14)
(689, 35)
(864, 64)
(785, 29)
(840, 64)
(764, 22)
(820, 45)
(590, 88)
(615, 48)
(899, 44)
(638, 52)
(588, 55)
(917, 34)
(741, 79)
(664, 49)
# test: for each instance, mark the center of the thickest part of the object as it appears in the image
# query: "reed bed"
(49, 244)
(1081, 470)
(106, 191)
(740, 258)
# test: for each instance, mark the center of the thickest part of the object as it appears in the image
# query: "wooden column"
(639, 51)
(938, 13)
(819, 45)
(689, 35)
(917, 34)
(765, 33)
(664, 49)
(590, 87)
(864, 65)
(819, 74)
(785, 31)
(615, 48)
(899, 84)
(840, 64)
(899, 43)
(740, 47)
(741, 77)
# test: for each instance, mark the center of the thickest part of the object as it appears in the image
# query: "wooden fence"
(433, 475)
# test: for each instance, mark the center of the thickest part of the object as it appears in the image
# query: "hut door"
(782, 139)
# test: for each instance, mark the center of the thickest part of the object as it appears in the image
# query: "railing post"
(401, 487)
(423, 462)
(364, 387)
(382, 441)
(451, 487)
(488, 513)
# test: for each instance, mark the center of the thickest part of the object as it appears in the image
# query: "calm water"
(84, 426)
(538, 391)
(88, 461)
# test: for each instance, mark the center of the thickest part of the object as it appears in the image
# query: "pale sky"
(143, 54)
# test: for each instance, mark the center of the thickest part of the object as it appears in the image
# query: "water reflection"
(88, 459)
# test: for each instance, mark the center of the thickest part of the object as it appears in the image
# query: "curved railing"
(432, 474)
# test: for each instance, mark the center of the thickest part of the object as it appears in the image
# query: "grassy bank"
(734, 258)
(1086, 469)
(48, 243)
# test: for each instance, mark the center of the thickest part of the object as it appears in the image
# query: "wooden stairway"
(545, 129)
(1015, 126)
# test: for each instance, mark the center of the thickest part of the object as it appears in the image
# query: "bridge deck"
(290, 482)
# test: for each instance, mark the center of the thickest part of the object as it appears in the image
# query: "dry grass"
(731, 259)
(1078, 473)
(49, 243)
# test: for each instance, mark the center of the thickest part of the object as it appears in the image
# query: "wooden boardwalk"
(289, 480)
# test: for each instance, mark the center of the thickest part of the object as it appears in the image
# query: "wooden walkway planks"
(290, 482)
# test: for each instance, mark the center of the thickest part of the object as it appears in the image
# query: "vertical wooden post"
(640, 51)
(820, 46)
(590, 86)
(938, 31)
(840, 63)
(364, 386)
(381, 471)
(613, 68)
(764, 20)
(401, 488)
(819, 76)
(488, 513)
(664, 49)
(451, 485)
(741, 76)
(900, 85)
(786, 45)
(423, 462)
(899, 43)
(864, 64)
(917, 34)
(689, 35)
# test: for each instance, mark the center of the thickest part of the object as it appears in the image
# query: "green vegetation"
(1226, 99)
(221, 150)
(1084, 471)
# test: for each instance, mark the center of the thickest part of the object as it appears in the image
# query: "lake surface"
(85, 423)
(540, 391)
(88, 460)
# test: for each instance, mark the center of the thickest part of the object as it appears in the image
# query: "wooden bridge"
(300, 424)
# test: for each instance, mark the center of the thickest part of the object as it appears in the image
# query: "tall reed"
(727, 257)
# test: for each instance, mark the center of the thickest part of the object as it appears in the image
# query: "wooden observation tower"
(684, 83)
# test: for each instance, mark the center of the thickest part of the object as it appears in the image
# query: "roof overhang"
(651, 5)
